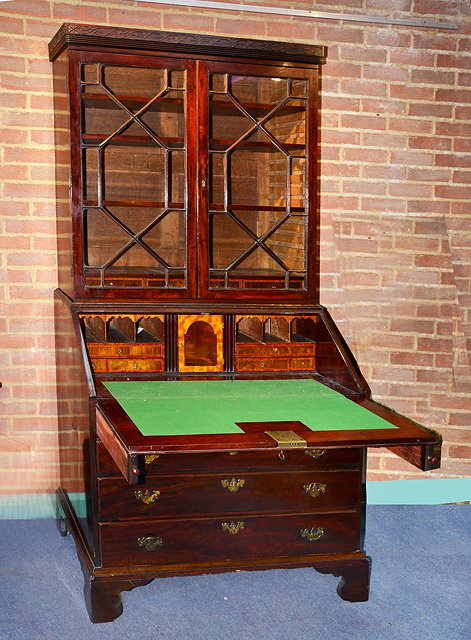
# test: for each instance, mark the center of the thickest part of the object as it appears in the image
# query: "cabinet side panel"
(75, 441)
(62, 173)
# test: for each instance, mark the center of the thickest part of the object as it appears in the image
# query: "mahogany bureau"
(211, 416)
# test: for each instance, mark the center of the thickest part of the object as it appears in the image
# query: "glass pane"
(90, 174)
(257, 178)
(134, 173)
(167, 238)
(104, 238)
(134, 86)
(101, 116)
(257, 181)
(166, 119)
(229, 241)
(287, 242)
(134, 167)
(288, 125)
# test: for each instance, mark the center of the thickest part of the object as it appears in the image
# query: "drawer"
(262, 364)
(225, 493)
(125, 350)
(228, 539)
(302, 364)
(238, 460)
(99, 365)
(116, 365)
(275, 350)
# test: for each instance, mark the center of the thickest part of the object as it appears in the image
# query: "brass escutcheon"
(314, 489)
(150, 543)
(151, 457)
(312, 534)
(233, 485)
(315, 453)
(147, 497)
(232, 527)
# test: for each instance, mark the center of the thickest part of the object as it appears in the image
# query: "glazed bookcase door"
(258, 192)
(133, 208)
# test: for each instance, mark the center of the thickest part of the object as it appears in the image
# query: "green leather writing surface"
(214, 406)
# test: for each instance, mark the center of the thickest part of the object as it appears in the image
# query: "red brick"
(434, 42)
(371, 187)
(462, 177)
(340, 103)
(383, 106)
(429, 175)
(453, 160)
(388, 38)
(411, 92)
(189, 21)
(388, 73)
(453, 129)
(28, 190)
(432, 76)
(366, 54)
(288, 29)
(383, 204)
(389, 172)
(343, 70)
(28, 48)
(326, 34)
(412, 158)
(254, 27)
(464, 79)
(457, 61)
(462, 146)
(463, 113)
(11, 64)
(89, 12)
(362, 122)
(453, 95)
(430, 110)
(151, 19)
(365, 88)
(453, 192)
(412, 58)
(384, 140)
(407, 189)
(366, 155)
(430, 142)
(39, 8)
(410, 125)
(412, 359)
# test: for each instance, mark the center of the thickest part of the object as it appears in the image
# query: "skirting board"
(427, 491)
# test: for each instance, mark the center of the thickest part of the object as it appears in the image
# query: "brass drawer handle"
(314, 489)
(312, 534)
(232, 527)
(147, 497)
(315, 453)
(233, 485)
(150, 543)
(276, 350)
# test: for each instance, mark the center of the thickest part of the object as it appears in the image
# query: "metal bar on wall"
(304, 13)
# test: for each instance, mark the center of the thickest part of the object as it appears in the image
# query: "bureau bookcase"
(211, 416)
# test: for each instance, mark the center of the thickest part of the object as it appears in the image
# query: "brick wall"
(396, 170)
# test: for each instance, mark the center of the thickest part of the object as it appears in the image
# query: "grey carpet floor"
(420, 588)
